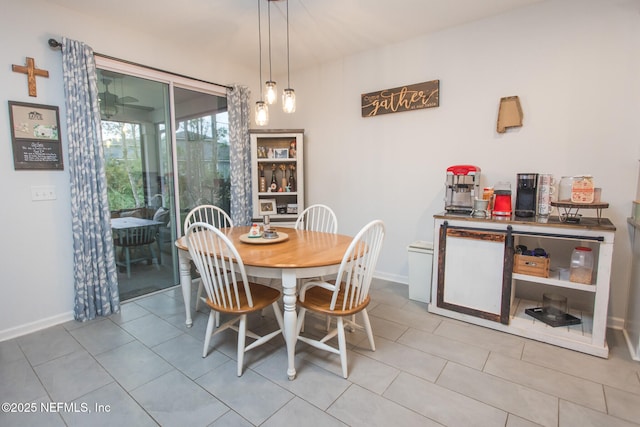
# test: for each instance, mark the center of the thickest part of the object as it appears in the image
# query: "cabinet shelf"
(288, 160)
(580, 332)
(554, 281)
(575, 337)
(278, 194)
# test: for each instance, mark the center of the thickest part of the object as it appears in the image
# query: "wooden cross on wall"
(31, 71)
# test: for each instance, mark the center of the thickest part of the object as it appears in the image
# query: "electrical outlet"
(43, 192)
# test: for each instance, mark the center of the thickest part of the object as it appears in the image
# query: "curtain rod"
(55, 44)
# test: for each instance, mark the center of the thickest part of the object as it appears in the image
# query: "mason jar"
(581, 268)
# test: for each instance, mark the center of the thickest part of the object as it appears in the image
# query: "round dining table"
(302, 254)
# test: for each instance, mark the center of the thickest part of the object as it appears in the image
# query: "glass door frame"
(173, 81)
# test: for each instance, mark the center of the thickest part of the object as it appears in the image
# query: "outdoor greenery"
(119, 190)
(203, 163)
(123, 165)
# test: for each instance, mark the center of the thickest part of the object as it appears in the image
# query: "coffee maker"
(526, 197)
(462, 186)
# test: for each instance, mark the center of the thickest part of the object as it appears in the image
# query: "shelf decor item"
(284, 185)
(292, 179)
(274, 181)
(531, 265)
(263, 182)
(581, 268)
(281, 153)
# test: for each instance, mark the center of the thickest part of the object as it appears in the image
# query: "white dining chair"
(348, 294)
(215, 216)
(228, 289)
(318, 218)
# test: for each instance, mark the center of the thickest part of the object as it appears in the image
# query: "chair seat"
(318, 299)
(263, 296)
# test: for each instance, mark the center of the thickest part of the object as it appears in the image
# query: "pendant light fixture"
(270, 90)
(262, 111)
(288, 95)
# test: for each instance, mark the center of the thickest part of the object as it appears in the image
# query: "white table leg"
(185, 282)
(290, 318)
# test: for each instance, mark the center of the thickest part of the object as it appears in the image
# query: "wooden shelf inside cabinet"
(554, 281)
(278, 194)
(580, 333)
(267, 160)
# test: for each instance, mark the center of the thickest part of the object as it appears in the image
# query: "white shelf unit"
(264, 146)
(587, 302)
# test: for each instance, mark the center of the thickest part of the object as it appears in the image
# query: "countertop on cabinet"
(603, 224)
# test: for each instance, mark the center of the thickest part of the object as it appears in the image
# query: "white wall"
(36, 266)
(573, 63)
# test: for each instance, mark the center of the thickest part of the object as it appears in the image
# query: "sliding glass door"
(155, 175)
(202, 147)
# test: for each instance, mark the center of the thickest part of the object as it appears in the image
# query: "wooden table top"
(303, 249)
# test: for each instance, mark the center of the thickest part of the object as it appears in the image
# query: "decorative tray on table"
(262, 239)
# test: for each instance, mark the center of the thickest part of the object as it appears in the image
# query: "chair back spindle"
(358, 265)
(318, 218)
(208, 214)
(219, 265)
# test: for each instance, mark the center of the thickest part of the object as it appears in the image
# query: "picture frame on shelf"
(280, 153)
(267, 207)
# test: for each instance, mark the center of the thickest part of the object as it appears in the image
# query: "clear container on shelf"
(581, 269)
(564, 189)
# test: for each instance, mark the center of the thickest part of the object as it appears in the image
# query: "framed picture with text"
(35, 136)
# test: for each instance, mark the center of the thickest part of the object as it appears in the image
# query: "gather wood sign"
(404, 98)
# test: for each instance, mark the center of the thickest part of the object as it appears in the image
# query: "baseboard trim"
(615, 323)
(403, 280)
(631, 346)
(40, 324)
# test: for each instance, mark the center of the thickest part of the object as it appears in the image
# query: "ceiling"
(320, 30)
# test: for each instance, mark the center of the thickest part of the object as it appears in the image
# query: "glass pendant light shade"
(270, 92)
(262, 113)
(107, 109)
(288, 95)
(289, 101)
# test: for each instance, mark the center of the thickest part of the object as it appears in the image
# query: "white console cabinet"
(473, 278)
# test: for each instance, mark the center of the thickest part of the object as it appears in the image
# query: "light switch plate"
(43, 192)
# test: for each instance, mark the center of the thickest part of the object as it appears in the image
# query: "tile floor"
(142, 367)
